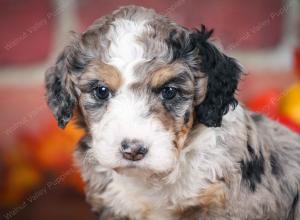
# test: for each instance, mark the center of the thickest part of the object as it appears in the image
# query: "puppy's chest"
(139, 202)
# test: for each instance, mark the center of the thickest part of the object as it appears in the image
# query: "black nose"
(133, 149)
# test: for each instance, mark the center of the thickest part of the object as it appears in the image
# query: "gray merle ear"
(58, 90)
(223, 72)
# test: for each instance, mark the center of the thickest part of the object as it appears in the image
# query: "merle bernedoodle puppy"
(165, 137)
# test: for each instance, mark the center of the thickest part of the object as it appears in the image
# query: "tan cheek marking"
(160, 113)
(184, 129)
(180, 129)
(168, 122)
(213, 197)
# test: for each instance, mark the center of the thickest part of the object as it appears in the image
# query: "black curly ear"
(58, 90)
(223, 74)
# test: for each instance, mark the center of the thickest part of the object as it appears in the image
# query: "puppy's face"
(139, 83)
(138, 115)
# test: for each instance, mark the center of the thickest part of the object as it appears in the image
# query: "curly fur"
(208, 157)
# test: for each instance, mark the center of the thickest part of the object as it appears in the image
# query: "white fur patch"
(125, 51)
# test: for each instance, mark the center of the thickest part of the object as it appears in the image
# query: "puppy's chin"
(142, 173)
(132, 171)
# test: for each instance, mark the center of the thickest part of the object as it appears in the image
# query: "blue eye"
(168, 92)
(102, 92)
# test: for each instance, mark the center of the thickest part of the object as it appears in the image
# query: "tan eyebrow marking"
(163, 75)
(108, 74)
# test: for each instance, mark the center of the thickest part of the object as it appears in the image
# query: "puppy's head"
(139, 83)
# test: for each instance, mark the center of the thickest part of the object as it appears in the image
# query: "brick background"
(232, 20)
(27, 32)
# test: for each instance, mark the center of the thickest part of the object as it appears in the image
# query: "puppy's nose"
(133, 149)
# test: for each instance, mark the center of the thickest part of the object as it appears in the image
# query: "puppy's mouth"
(133, 169)
(142, 172)
(127, 167)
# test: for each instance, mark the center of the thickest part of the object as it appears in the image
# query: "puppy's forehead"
(124, 49)
(134, 44)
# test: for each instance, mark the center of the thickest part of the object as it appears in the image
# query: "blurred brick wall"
(29, 35)
(28, 27)
(230, 18)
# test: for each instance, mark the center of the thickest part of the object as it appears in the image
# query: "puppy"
(165, 137)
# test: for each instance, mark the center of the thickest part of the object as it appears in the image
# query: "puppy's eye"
(168, 92)
(102, 92)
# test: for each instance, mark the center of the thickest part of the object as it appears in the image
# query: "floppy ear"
(59, 93)
(223, 76)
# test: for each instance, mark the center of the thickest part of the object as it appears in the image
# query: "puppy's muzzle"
(133, 149)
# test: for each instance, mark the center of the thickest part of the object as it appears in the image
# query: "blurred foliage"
(36, 159)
